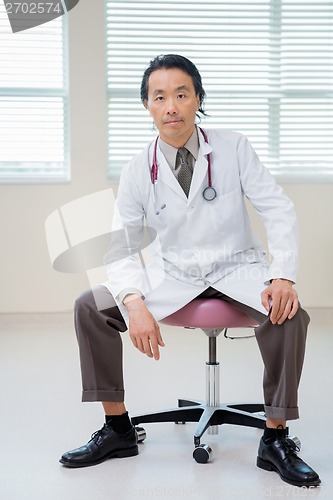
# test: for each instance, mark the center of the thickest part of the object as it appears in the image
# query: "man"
(207, 249)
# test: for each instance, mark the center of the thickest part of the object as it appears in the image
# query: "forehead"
(169, 80)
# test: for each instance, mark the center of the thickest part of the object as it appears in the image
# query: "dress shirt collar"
(170, 152)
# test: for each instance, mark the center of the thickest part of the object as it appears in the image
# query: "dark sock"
(108, 419)
(119, 423)
(271, 434)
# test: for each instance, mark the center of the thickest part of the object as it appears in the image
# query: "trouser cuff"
(281, 413)
(109, 396)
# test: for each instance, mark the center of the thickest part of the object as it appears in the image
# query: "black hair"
(170, 61)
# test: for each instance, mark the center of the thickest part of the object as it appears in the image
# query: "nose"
(171, 107)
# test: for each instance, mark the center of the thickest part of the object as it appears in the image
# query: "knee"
(302, 317)
(84, 302)
(297, 327)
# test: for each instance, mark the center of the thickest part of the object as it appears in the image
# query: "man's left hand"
(281, 298)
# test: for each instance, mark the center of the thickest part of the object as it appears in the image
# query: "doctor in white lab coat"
(196, 247)
(204, 243)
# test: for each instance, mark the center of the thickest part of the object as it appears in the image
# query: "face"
(172, 103)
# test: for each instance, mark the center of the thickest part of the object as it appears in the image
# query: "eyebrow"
(161, 91)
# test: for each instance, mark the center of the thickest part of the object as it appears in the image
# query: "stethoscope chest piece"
(209, 193)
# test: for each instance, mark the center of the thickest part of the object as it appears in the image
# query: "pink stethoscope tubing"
(208, 193)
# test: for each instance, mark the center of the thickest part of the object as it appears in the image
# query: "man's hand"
(282, 299)
(144, 331)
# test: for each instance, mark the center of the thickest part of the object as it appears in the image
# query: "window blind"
(33, 102)
(266, 66)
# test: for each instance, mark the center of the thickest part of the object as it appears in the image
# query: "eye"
(159, 98)
(181, 96)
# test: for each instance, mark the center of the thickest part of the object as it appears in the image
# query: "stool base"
(245, 414)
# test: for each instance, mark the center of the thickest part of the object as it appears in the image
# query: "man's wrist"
(281, 279)
(127, 292)
(130, 298)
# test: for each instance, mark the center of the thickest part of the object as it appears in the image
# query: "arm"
(125, 267)
(278, 215)
(275, 210)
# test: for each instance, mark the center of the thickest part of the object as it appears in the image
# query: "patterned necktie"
(185, 170)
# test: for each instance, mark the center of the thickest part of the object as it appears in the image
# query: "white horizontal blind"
(33, 102)
(266, 65)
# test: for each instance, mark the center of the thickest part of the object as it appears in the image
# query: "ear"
(198, 102)
(146, 105)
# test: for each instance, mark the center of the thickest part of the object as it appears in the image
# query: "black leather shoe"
(281, 456)
(104, 444)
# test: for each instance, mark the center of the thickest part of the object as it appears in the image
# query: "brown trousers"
(282, 349)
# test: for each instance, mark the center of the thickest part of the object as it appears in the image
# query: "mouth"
(173, 122)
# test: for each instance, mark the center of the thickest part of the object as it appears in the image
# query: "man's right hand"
(144, 330)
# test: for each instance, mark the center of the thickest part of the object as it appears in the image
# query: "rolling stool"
(212, 316)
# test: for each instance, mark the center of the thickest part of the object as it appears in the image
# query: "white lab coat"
(203, 243)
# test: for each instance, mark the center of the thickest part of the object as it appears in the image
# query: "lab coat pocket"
(227, 212)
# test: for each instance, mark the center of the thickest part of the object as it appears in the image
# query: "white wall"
(28, 283)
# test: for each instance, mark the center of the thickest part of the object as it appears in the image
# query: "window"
(33, 102)
(266, 65)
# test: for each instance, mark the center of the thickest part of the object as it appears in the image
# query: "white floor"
(41, 417)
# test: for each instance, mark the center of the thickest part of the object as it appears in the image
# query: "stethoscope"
(209, 193)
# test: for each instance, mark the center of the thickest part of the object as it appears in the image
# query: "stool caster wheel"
(295, 441)
(141, 434)
(202, 453)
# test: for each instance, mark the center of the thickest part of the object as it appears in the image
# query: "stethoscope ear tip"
(158, 212)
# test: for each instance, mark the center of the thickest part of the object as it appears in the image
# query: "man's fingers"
(287, 309)
(285, 312)
(284, 309)
(156, 341)
(155, 349)
(151, 348)
(159, 339)
(275, 310)
(283, 299)
(148, 345)
(139, 345)
(134, 341)
(294, 308)
(265, 300)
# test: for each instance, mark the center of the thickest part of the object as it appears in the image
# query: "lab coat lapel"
(166, 176)
(200, 169)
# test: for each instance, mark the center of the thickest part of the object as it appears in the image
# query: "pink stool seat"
(209, 313)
